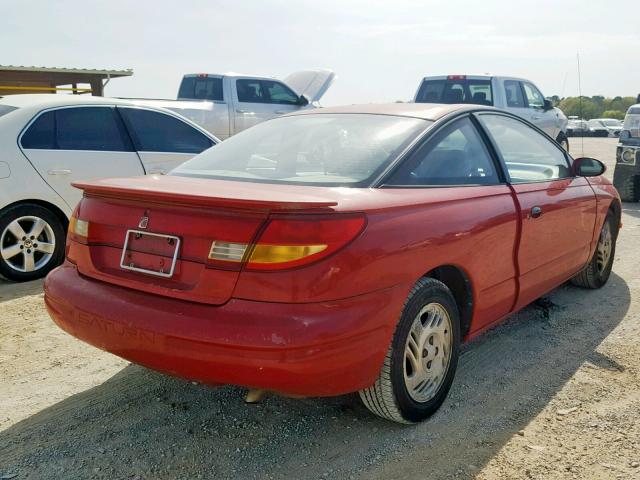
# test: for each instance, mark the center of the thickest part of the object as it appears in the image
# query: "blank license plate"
(150, 253)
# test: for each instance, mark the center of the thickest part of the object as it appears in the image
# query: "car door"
(545, 120)
(259, 100)
(480, 215)
(557, 209)
(68, 144)
(163, 141)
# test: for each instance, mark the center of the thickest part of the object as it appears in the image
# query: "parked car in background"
(49, 141)
(597, 128)
(626, 176)
(577, 128)
(229, 103)
(515, 95)
(335, 250)
(611, 125)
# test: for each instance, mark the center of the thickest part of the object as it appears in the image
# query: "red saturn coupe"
(336, 250)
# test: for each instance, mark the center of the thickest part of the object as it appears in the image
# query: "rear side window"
(456, 91)
(250, 91)
(201, 88)
(512, 90)
(84, 128)
(456, 155)
(158, 132)
(528, 155)
(42, 133)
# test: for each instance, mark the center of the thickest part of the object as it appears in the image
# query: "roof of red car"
(427, 111)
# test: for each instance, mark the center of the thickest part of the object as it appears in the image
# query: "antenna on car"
(580, 100)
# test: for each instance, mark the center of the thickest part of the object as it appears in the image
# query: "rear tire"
(597, 272)
(421, 361)
(32, 242)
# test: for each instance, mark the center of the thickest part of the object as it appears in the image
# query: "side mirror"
(588, 167)
(548, 104)
(303, 101)
(625, 135)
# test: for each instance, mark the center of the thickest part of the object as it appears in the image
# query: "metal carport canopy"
(24, 79)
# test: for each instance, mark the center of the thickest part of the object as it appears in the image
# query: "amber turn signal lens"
(282, 253)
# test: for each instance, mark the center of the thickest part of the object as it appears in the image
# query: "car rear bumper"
(317, 349)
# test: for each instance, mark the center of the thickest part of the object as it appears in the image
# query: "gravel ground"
(554, 392)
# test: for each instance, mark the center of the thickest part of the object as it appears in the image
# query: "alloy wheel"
(427, 352)
(27, 244)
(605, 244)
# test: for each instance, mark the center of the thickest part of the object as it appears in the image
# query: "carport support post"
(97, 89)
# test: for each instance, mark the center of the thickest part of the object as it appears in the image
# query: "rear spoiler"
(174, 190)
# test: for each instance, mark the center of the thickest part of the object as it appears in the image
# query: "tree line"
(594, 107)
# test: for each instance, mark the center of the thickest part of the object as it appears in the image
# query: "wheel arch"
(64, 220)
(458, 281)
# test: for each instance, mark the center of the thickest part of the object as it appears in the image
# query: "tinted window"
(201, 88)
(514, 94)
(41, 133)
(159, 132)
(90, 128)
(318, 149)
(534, 97)
(250, 91)
(456, 91)
(455, 156)
(278, 93)
(85, 128)
(529, 156)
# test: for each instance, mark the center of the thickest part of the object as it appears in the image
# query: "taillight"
(78, 231)
(457, 77)
(289, 241)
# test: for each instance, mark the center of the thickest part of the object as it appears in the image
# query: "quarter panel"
(473, 228)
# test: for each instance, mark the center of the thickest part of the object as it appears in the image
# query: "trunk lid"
(313, 84)
(175, 215)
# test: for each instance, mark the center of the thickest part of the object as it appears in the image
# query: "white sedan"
(49, 141)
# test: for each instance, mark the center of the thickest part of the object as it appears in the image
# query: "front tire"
(32, 242)
(420, 365)
(597, 272)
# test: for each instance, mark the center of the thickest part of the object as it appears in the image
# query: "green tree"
(613, 114)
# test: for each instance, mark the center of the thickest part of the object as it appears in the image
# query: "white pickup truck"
(517, 95)
(227, 104)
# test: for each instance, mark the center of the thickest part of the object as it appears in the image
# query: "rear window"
(319, 149)
(456, 91)
(201, 88)
(4, 109)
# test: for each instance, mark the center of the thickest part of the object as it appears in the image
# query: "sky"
(379, 50)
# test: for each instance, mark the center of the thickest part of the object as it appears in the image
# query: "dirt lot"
(552, 393)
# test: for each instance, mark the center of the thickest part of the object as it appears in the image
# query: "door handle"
(157, 171)
(536, 212)
(280, 112)
(245, 112)
(59, 171)
(535, 117)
